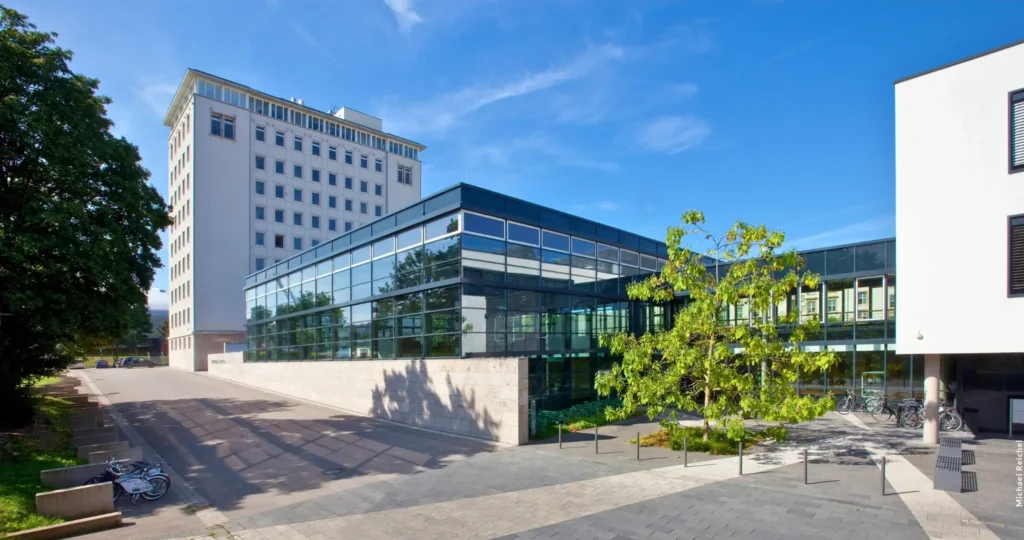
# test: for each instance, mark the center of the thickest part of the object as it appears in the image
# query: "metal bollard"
(805, 466)
(684, 452)
(883, 475)
(638, 446)
(741, 458)
(559, 436)
(595, 440)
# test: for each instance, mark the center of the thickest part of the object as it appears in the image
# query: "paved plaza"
(252, 465)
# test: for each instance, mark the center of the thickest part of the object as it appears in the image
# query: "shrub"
(779, 433)
(575, 418)
(720, 442)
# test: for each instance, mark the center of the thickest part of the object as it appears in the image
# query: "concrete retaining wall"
(82, 437)
(66, 477)
(75, 527)
(85, 450)
(479, 397)
(131, 454)
(77, 502)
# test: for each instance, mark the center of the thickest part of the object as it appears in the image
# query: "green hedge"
(575, 418)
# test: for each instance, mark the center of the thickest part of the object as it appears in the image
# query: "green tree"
(714, 361)
(79, 224)
(164, 329)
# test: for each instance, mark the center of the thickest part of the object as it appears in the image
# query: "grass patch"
(23, 455)
(719, 443)
(575, 418)
(46, 381)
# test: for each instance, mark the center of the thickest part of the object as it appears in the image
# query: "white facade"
(954, 196)
(254, 180)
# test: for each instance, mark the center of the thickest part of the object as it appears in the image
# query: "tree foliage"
(725, 369)
(79, 223)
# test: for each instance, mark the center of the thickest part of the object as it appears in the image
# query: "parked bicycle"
(852, 403)
(911, 414)
(138, 479)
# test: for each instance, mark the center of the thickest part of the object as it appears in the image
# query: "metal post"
(741, 458)
(595, 440)
(559, 435)
(883, 475)
(638, 446)
(684, 452)
(805, 466)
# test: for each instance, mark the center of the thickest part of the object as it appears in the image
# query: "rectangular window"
(216, 121)
(260, 263)
(261, 133)
(363, 161)
(1016, 255)
(363, 186)
(332, 153)
(261, 163)
(348, 226)
(279, 167)
(555, 241)
(314, 243)
(316, 222)
(297, 143)
(316, 198)
(279, 192)
(297, 242)
(862, 298)
(279, 138)
(483, 225)
(297, 171)
(362, 208)
(279, 240)
(378, 210)
(332, 224)
(297, 218)
(260, 212)
(378, 165)
(332, 201)
(1017, 131)
(279, 216)
(348, 204)
(229, 128)
(297, 195)
(316, 148)
(332, 179)
(348, 157)
(348, 183)
(378, 190)
(316, 175)
(523, 235)
(260, 187)
(584, 247)
(259, 239)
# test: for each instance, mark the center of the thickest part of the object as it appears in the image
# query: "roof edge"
(961, 61)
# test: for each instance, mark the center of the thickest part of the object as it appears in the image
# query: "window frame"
(1010, 97)
(297, 143)
(279, 135)
(261, 134)
(523, 225)
(1011, 222)
(462, 225)
(543, 246)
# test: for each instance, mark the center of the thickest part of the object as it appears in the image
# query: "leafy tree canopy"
(715, 361)
(79, 223)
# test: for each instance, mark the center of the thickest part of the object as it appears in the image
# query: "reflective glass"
(585, 248)
(341, 261)
(410, 238)
(442, 226)
(361, 255)
(555, 241)
(607, 253)
(523, 234)
(384, 247)
(629, 258)
(361, 274)
(444, 298)
(478, 224)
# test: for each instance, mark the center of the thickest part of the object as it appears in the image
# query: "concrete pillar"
(932, 365)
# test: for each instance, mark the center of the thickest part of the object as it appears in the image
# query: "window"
(348, 204)
(279, 167)
(1016, 256)
(261, 133)
(378, 210)
(363, 161)
(362, 208)
(378, 190)
(297, 218)
(378, 165)
(332, 224)
(279, 240)
(348, 226)
(260, 188)
(216, 121)
(555, 241)
(297, 243)
(404, 175)
(261, 163)
(363, 186)
(316, 175)
(316, 148)
(348, 157)
(316, 222)
(279, 139)
(332, 153)
(862, 298)
(332, 201)
(229, 128)
(297, 195)
(483, 225)
(279, 192)
(297, 171)
(523, 235)
(1017, 131)
(332, 179)
(259, 239)
(315, 198)
(832, 305)
(261, 263)
(260, 212)
(297, 143)
(279, 216)
(348, 182)
(314, 243)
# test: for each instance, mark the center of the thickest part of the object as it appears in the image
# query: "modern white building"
(960, 226)
(254, 179)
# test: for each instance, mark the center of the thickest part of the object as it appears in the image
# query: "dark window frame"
(1012, 222)
(1015, 96)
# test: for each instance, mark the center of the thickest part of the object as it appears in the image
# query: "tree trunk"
(707, 403)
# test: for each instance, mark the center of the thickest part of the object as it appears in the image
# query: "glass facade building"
(469, 272)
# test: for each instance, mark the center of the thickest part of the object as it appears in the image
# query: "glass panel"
(478, 224)
(607, 253)
(409, 303)
(629, 258)
(870, 257)
(361, 274)
(442, 226)
(361, 255)
(523, 234)
(840, 376)
(648, 263)
(839, 261)
(410, 325)
(870, 372)
(384, 307)
(444, 298)
(890, 296)
(814, 262)
(441, 322)
(585, 248)
(323, 268)
(840, 304)
(556, 241)
(443, 346)
(810, 303)
(897, 376)
(384, 247)
(485, 249)
(410, 347)
(410, 238)
(441, 250)
(870, 299)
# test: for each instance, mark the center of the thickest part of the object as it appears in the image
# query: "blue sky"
(628, 113)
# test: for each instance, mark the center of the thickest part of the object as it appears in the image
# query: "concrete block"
(89, 420)
(75, 527)
(66, 477)
(85, 450)
(95, 439)
(76, 398)
(92, 432)
(77, 502)
(131, 454)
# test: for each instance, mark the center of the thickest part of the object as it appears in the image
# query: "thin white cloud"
(868, 229)
(157, 96)
(405, 14)
(158, 299)
(444, 111)
(672, 134)
(304, 34)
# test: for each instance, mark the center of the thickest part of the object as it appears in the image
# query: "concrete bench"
(131, 454)
(67, 477)
(84, 437)
(77, 502)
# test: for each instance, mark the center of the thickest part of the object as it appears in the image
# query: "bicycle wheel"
(874, 405)
(161, 485)
(844, 406)
(883, 415)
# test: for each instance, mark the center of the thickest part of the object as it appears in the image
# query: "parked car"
(138, 362)
(100, 364)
